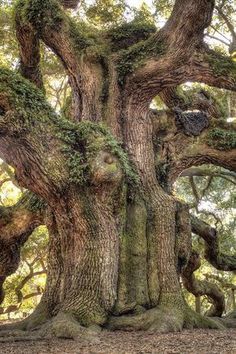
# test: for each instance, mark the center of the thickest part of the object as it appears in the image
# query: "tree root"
(61, 326)
(193, 319)
(163, 320)
(154, 320)
(67, 327)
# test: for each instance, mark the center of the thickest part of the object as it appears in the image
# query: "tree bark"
(119, 239)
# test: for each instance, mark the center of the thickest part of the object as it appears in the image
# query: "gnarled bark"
(17, 224)
(103, 257)
(218, 259)
(199, 288)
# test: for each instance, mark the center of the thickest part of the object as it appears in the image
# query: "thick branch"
(25, 118)
(16, 225)
(202, 172)
(218, 259)
(168, 51)
(29, 52)
(46, 20)
(212, 68)
(199, 288)
(214, 145)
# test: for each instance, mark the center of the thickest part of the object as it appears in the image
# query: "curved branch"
(213, 255)
(212, 68)
(47, 21)
(16, 225)
(168, 51)
(202, 172)
(39, 163)
(215, 145)
(199, 288)
(29, 51)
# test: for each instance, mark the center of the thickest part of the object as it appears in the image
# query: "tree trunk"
(119, 239)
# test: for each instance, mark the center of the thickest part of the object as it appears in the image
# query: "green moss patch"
(221, 139)
(82, 141)
(25, 98)
(221, 64)
(134, 57)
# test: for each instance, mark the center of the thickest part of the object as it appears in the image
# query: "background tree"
(118, 237)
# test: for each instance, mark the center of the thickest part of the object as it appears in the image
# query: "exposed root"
(194, 320)
(66, 326)
(19, 336)
(154, 320)
(61, 326)
(168, 319)
(229, 321)
(32, 322)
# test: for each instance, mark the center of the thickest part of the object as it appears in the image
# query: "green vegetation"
(27, 100)
(132, 58)
(221, 64)
(221, 139)
(127, 34)
(82, 142)
(40, 13)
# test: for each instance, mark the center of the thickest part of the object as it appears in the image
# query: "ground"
(194, 342)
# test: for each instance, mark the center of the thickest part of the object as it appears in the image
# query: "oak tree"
(100, 177)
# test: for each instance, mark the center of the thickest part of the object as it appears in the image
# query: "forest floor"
(194, 342)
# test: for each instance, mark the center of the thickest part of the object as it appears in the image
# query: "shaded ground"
(198, 341)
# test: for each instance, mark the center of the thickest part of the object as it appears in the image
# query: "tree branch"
(214, 145)
(168, 51)
(47, 21)
(40, 164)
(16, 225)
(213, 255)
(212, 68)
(29, 51)
(199, 288)
(202, 172)
(20, 286)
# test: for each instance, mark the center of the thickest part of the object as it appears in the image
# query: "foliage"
(221, 139)
(26, 98)
(222, 64)
(133, 57)
(40, 13)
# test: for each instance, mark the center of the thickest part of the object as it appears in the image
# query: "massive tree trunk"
(119, 240)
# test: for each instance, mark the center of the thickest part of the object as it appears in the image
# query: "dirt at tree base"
(119, 342)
